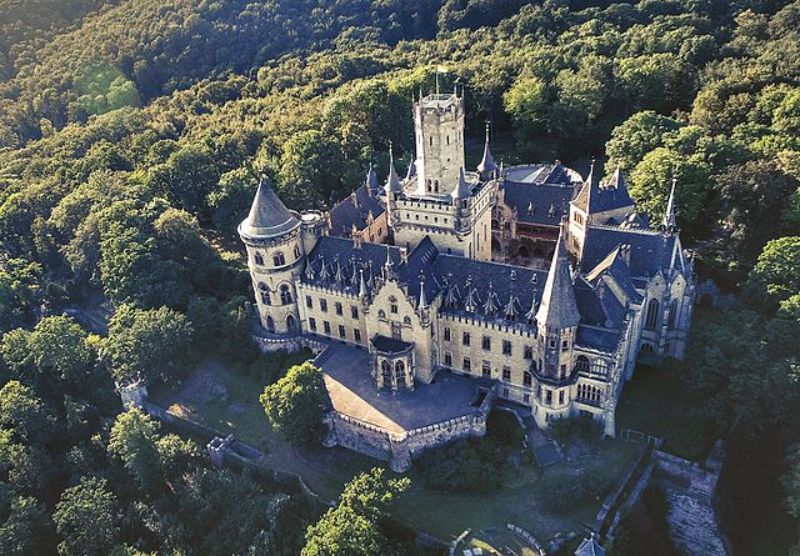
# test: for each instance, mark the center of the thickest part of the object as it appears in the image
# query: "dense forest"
(132, 135)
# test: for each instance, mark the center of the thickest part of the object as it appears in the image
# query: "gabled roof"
(268, 216)
(558, 307)
(538, 204)
(650, 251)
(595, 197)
(617, 269)
(354, 210)
(590, 547)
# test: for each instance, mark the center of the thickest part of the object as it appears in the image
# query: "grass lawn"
(655, 403)
(227, 399)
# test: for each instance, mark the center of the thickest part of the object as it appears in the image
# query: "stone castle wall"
(400, 448)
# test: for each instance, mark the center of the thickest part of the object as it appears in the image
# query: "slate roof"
(389, 345)
(615, 266)
(469, 288)
(595, 197)
(590, 547)
(538, 204)
(268, 216)
(558, 307)
(354, 210)
(651, 250)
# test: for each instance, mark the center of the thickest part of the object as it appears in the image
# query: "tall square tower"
(439, 137)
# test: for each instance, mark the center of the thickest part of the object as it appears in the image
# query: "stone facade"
(562, 341)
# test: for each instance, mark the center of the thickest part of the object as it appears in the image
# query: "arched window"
(381, 314)
(582, 363)
(652, 315)
(263, 292)
(407, 320)
(286, 295)
(278, 259)
(527, 378)
(648, 348)
(291, 323)
(393, 305)
(270, 324)
(386, 372)
(296, 251)
(673, 313)
(259, 259)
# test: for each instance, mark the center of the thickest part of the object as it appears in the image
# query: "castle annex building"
(406, 272)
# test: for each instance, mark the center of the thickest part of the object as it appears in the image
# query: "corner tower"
(439, 136)
(272, 235)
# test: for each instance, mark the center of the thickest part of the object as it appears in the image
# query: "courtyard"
(223, 396)
(352, 392)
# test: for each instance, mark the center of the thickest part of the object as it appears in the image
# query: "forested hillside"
(132, 133)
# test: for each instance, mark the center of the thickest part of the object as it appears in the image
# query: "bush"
(469, 465)
(566, 495)
(503, 428)
(269, 367)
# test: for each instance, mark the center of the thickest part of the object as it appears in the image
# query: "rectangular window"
(338, 308)
(357, 335)
(309, 302)
(312, 324)
(393, 308)
(506, 373)
(327, 327)
(486, 369)
(467, 364)
(342, 333)
(552, 344)
(354, 311)
(526, 398)
(528, 352)
(506, 347)
(527, 379)
(564, 344)
(486, 343)
(563, 371)
(448, 359)
(465, 339)
(446, 334)
(561, 397)
(548, 397)
(323, 305)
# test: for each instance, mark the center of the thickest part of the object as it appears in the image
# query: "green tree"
(87, 519)
(527, 101)
(635, 137)
(28, 529)
(59, 347)
(133, 439)
(651, 180)
(351, 528)
(147, 343)
(776, 275)
(19, 290)
(231, 199)
(24, 413)
(296, 403)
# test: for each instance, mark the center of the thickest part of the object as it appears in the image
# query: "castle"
(417, 272)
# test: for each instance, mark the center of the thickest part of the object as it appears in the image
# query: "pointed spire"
(669, 220)
(392, 181)
(423, 301)
(268, 216)
(492, 303)
(531, 314)
(462, 189)
(371, 182)
(339, 276)
(511, 309)
(323, 270)
(412, 170)
(451, 295)
(487, 167)
(472, 300)
(309, 271)
(388, 266)
(362, 285)
(559, 308)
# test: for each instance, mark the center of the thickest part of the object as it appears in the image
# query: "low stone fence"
(533, 544)
(268, 343)
(400, 448)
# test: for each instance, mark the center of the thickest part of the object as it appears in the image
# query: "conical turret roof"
(487, 165)
(268, 216)
(392, 181)
(559, 308)
(462, 189)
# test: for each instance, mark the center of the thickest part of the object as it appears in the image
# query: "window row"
(486, 343)
(337, 307)
(326, 329)
(284, 294)
(278, 259)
